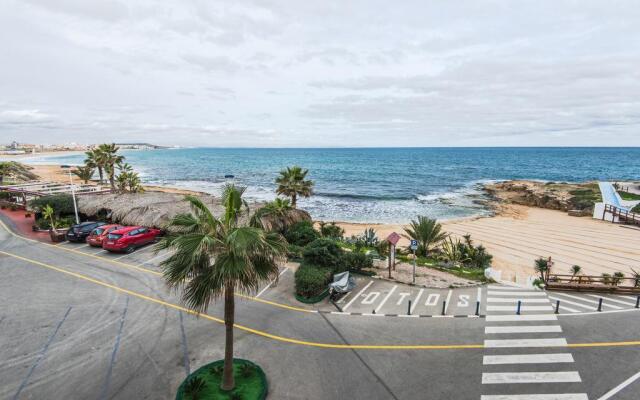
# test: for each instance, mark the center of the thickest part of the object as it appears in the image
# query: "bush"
(301, 233)
(64, 222)
(311, 280)
(61, 203)
(636, 209)
(294, 252)
(356, 262)
(324, 253)
(331, 230)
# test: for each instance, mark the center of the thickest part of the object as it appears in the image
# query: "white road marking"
(448, 299)
(515, 300)
(271, 283)
(559, 396)
(386, 298)
(370, 298)
(502, 287)
(432, 300)
(415, 303)
(604, 303)
(402, 296)
(344, 297)
(522, 329)
(153, 259)
(517, 294)
(522, 308)
(502, 343)
(358, 295)
(626, 303)
(479, 294)
(528, 359)
(618, 388)
(627, 297)
(463, 300)
(530, 377)
(532, 317)
(563, 301)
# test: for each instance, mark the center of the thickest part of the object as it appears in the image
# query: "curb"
(396, 315)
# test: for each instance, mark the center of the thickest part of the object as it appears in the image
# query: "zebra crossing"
(526, 356)
(572, 303)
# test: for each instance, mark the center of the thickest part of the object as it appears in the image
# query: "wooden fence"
(623, 216)
(586, 283)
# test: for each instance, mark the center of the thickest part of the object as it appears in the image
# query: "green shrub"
(294, 252)
(355, 262)
(301, 233)
(61, 203)
(194, 387)
(323, 252)
(331, 230)
(636, 209)
(311, 280)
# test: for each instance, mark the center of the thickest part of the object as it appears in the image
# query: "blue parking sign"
(414, 245)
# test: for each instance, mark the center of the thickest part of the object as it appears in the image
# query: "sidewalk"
(22, 225)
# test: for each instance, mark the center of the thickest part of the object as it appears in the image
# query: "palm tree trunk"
(100, 173)
(294, 197)
(229, 311)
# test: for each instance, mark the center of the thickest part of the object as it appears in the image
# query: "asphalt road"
(79, 324)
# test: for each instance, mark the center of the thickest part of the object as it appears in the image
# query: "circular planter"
(254, 387)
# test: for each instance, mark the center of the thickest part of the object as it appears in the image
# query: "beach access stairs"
(613, 208)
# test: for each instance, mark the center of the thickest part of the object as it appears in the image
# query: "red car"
(97, 236)
(129, 238)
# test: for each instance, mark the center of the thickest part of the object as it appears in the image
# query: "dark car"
(79, 232)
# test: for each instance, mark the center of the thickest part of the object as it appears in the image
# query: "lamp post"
(73, 192)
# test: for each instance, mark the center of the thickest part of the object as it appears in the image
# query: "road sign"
(393, 238)
(414, 245)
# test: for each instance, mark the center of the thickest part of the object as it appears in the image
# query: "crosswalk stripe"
(587, 300)
(573, 303)
(532, 317)
(565, 308)
(528, 359)
(516, 294)
(559, 396)
(501, 343)
(522, 308)
(530, 377)
(502, 287)
(514, 300)
(522, 329)
(627, 297)
(627, 303)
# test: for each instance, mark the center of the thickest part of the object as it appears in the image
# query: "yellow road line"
(287, 339)
(146, 270)
(242, 327)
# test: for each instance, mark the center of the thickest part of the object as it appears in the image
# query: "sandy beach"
(516, 236)
(520, 234)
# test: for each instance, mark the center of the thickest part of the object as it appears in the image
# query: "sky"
(321, 73)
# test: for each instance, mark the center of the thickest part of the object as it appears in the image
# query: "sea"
(385, 185)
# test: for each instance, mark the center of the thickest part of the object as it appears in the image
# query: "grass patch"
(251, 382)
(585, 197)
(628, 196)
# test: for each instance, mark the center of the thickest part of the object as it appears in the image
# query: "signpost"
(393, 239)
(414, 247)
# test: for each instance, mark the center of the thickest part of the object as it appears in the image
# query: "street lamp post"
(73, 192)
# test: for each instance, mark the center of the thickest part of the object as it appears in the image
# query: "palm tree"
(111, 160)
(85, 173)
(542, 267)
(217, 257)
(96, 159)
(292, 183)
(428, 232)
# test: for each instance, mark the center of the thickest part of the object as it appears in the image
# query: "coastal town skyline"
(283, 74)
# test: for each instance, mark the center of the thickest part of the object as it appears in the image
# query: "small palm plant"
(453, 252)
(369, 238)
(575, 270)
(218, 257)
(194, 387)
(428, 232)
(636, 278)
(84, 173)
(617, 278)
(49, 213)
(606, 279)
(542, 267)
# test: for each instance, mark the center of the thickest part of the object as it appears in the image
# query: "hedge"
(62, 204)
(301, 233)
(311, 280)
(324, 253)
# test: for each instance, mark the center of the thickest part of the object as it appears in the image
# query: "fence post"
(557, 305)
(600, 304)
(409, 308)
(518, 310)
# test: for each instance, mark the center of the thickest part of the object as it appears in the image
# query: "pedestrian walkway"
(576, 302)
(526, 355)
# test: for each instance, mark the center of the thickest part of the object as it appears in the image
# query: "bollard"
(518, 310)
(409, 308)
(600, 304)
(444, 306)
(478, 307)
(638, 302)
(557, 305)
(373, 312)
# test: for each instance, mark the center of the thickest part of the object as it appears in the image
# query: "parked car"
(129, 238)
(79, 232)
(97, 236)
